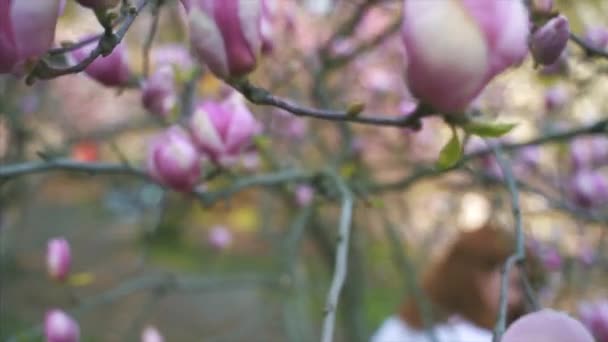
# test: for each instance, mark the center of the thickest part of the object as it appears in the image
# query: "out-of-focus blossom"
(586, 255)
(151, 334)
(220, 237)
(556, 98)
(98, 4)
(223, 130)
(60, 327)
(225, 34)
(597, 37)
(175, 55)
(85, 151)
(528, 156)
(111, 70)
(27, 30)
(448, 71)
(304, 195)
(159, 95)
(588, 189)
(547, 325)
(550, 258)
(549, 41)
(267, 18)
(251, 161)
(542, 6)
(588, 152)
(380, 79)
(594, 316)
(408, 106)
(173, 160)
(288, 125)
(58, 259)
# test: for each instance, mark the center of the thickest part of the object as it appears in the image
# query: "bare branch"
(589, 49)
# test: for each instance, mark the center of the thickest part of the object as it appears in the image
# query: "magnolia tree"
(339, 126)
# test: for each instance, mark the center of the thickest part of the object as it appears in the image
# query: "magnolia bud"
(594, 316)
(223, 130)
(220, 237)
(454, 48)
(597, 37)
(556, 98)
(112, 70)
(304, 195)
(58, 259)
(225, 34)
(27, 30)
(547, 325)
(588, 152)
(588, 189)
(549, 41)
(151, 334)
(59, 327)
(173, 160)
(159, 95)
(98, 4)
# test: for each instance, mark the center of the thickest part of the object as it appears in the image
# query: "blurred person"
(463, 291)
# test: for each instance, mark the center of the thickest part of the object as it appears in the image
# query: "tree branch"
(590, 50)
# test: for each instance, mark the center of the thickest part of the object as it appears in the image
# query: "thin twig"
(589, 49)
(150, 38)
(341, 264)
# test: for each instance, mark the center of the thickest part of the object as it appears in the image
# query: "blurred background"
(255, 264)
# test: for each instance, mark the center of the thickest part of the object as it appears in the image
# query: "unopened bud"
(58, 259)
(549, 41)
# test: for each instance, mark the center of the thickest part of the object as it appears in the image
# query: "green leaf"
(488, 130)
(450, 153)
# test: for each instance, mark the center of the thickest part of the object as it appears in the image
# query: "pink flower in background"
(60, 327)
(594, 316)
(58, 259)
(305, 194)
(588, 189)
(151, 334)
(159, 95)
(173, 160)
(225, 34)
(223, 130)
(549, 41)
(550, 258)
(220, 237)
(588, 152)
(27, 30)
(174, 55)
(112, 70)
(556, 98)
(547, 325)
(454, 48)
(597, 37)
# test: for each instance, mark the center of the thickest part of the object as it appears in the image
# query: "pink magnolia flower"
(220, 237)
(594, 316)
(588, 152)
(225, 34)
(151, 334)
(588, 189)
(597, 36)
(547, 325)
(112, 70)
(159, 95)
(549, 41)
(27, 30)
(174, 55)
(454, 48)
(305, 194)
(556, 98)
(58, 259)
(173, 160)
(223, 130)
(60, 327)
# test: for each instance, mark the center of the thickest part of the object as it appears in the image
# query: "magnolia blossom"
(588, 152)
(549, 41)
(594, 316)
(173, 160)
(547, 326)
(112, 70)
(174, 55)
(225, 34)
(220, 237)
(60, 327)
(223, 130)
(304, 195)
(159, 95)
(597, 36)
(27, 30)
(455, 47)
(588, 189)
(58, 259)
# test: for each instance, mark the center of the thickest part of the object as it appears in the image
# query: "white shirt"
(456, 330)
